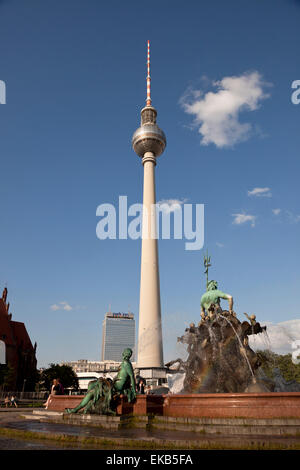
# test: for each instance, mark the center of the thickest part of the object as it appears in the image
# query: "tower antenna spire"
(148, 101)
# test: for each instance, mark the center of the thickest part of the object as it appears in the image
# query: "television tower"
(149, 142)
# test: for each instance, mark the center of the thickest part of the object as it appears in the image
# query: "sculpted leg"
(81, 405)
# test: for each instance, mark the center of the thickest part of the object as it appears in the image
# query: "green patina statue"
(103, 392)
(125, 380)
(206, 265)
(212, 295)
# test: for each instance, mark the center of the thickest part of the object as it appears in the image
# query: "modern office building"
(118, 333)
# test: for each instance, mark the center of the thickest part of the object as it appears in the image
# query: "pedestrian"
(141, 387)
(55, 387)
(13, 402)
(54, 391)
(61, 390)
(6, 401)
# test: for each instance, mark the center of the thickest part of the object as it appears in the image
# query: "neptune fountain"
(220, 359)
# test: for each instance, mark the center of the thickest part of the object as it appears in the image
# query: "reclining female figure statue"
(102, 392)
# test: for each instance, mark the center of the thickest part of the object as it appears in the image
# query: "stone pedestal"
(144, 404)
(61, 402)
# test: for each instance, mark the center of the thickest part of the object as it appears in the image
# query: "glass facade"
(118, 333)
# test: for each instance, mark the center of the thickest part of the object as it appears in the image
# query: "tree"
(65, 373)
(283, 362)
(7, 376)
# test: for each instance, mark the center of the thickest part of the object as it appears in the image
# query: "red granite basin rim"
(212, 405)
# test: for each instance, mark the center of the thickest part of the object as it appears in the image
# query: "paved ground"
(10, 419)
(19, 444)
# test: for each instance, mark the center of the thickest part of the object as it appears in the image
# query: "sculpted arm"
(132, 379)
(203, 302)
(230, 300)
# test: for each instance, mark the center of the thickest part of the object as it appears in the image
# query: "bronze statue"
(99, 393)
(102, 392)
(212, 296)
(251, 318)
(210, 301)
(206, 265)
(125, 380)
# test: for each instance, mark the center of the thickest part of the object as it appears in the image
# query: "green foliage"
(65, 373)
(31, 381)
(7, 376)
(283, 362)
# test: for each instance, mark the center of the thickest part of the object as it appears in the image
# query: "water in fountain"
(261, 341)
(175, 382)
(242, 346)
(267, 340)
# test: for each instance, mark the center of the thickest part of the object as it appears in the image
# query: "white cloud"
(61, 306)
(260, 192)
(293, 218)
(287, 215)
(170, 205)
(217, 113)
(276, 211)
(240, 219)
(55, 307)
(66, 306)
(280, 336)
(220, 245)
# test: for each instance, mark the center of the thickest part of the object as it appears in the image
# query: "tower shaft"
(150, 350)
(149, 142)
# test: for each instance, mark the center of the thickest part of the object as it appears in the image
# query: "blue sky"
(75, 81)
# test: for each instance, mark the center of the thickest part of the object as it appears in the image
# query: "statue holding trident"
(102, 392)
(212, 296)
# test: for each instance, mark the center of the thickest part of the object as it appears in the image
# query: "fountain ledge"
(234, 405)
(210, 405)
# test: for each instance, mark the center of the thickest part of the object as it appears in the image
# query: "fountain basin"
(204, 405)
(233, 405)
(144, 404)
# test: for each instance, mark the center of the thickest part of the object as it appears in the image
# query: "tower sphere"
(149, 137)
